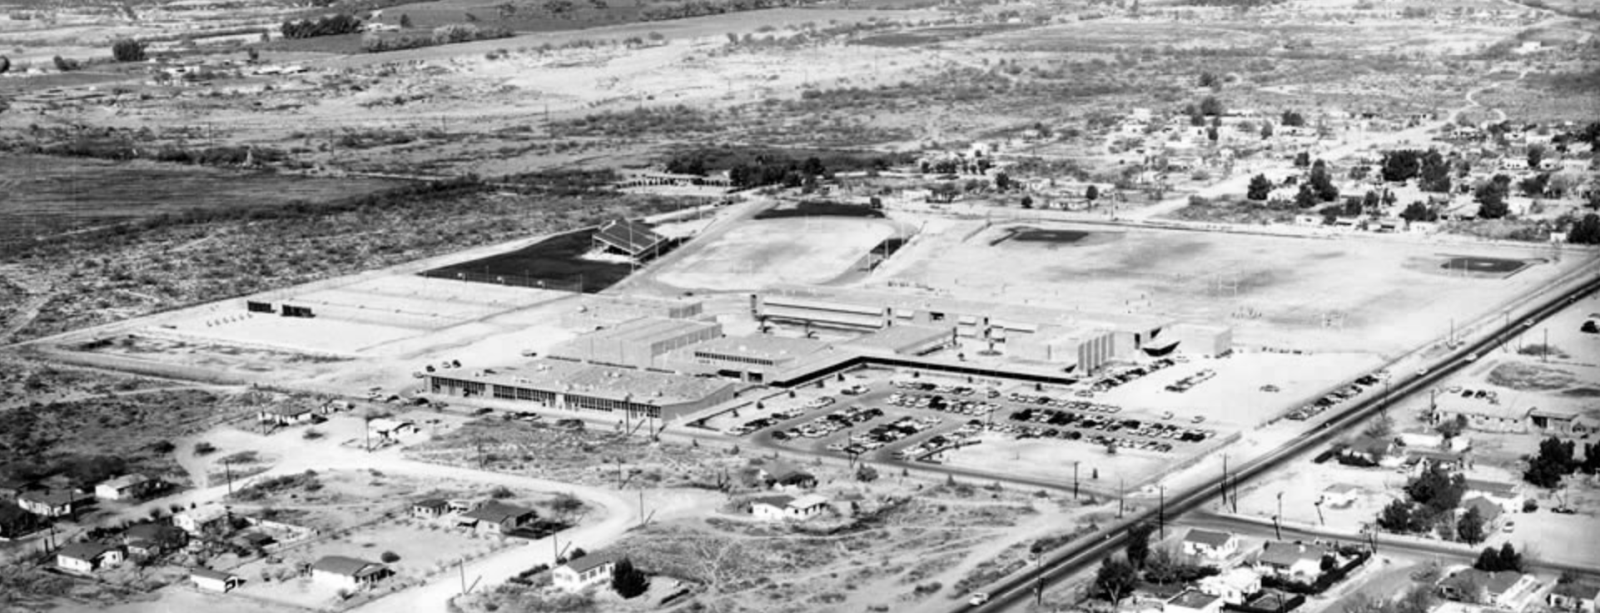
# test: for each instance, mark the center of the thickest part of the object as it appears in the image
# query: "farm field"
(1325, 295)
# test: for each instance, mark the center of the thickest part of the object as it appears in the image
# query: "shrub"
(389, 557)
(204, 448)
(127, 50)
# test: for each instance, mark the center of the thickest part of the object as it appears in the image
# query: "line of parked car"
(967, 434)
(1099, 429)
(830, 423)
(884, 434)
(1337, 396)
(954, 390)
(1182, 385)
(936, 402)
(1110, 381)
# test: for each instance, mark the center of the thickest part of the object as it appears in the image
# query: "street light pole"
(1163, 512)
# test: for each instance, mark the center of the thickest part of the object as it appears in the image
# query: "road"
(1081, 555)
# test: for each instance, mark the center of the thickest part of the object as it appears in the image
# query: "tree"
(1210, 106)
(1260, 187)
(1452, 428)
(628, 581)
(1209, 79)
(1534, 185)
(1092, 193)
(5, 64)
(1396, 517)
(1138, 548)
(1115, 579)
(1306, 197)
(1380, 427)
(1470, 527)
(866, 474)
(1401, 165)
(1535, 156)
(1302, 159)
(1495, 560)
(1556, 459)
(1322, 183)
(1027, 202)
(65, 64)
(1211, 134)
(389, 557)
(1293, 119)
(1491, 197)
(1266, 130)
(1586, 232)
(127, 50)
(1002, 181)
(1417, 211)
(1435, 173)
(405, 21)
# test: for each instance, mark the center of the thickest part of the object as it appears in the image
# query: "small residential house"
(1433, 442)
(1487, 509)
(1232, 586)
(151, 540)
(1370, 450)
(1483, 415)
(495, 517)
(1563, 421)
(1504, 494)
(592, 569)
(1506, 590)
(10, 489)
(209, 520)
(787, 507)
(1574, 597)
(430, 508)
(1340, 494)
(285, 415)
(214, 580)
(87, 557)
(348, 573)
(1291, 560)
(794, 480)
(391, 429)
(1210, 545)
(127, 487)
(50, 503)
(1193, 601)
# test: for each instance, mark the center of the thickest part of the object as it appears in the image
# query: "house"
(787, 507)
(10, 489)
(592, 569)
(1369, 450)
(285, 415)
(496, 517)
(1432, 441)
(151, 540)
(1426, 459)
(1291, 560)
(461, 505)
(1483, 414)
(203, 521)
(1193, 601)
(49, 503)
(87, 557)
(1487, 509)
(1232, 586)
(1562, 421)
(430, 508)
(126, 487)
(348, 573)
(1508, 590)
(214, 580)
(1340, 494)
(1573, 596)
(1504, 494)
(391, 429)
(1208, 544)
(793, 480)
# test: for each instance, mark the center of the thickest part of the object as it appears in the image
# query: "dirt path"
(39, 291)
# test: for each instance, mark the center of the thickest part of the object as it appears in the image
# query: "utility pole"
(1277, 520)
(227, 468)
(1163, 511)
(641, 508)
(462, 565)
(1122, 494)
(1224, 479)
(1074, 478)
(1544, 352)
(1320, 519)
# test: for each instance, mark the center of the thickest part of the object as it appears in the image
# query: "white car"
(1472, 357)
(978, 598)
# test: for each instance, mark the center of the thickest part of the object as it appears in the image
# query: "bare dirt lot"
(771, 252)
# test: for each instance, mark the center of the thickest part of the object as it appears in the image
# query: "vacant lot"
(762, 254)
(1346, 294)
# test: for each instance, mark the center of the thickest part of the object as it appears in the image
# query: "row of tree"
(1430, 497)
(1558, 458)
(329, 25)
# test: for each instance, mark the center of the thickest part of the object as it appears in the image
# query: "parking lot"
(887, 415)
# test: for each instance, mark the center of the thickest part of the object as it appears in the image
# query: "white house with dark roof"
(1233, 586)
(87, 557)
(1490, 511)
(1291, 560)
(127, 487)
(592, 569)
(1507, 495)
(214, 580)
(495, 517)
(1340, 494)
(787, 507)
(1209, 544)
(202, 521)
(430, 508)
(49, 503)
(1573, 597)
(348, 573)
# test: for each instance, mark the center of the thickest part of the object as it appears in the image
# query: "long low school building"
(560, 384)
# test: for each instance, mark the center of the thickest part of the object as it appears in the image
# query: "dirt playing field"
(1332, 294)
(771, 252)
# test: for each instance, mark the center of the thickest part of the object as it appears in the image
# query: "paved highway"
(1083, 554)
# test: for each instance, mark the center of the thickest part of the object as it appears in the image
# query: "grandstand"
(627, 237)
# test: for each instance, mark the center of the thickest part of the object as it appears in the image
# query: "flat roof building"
(595, 311)
(575, 386)
(636, 343)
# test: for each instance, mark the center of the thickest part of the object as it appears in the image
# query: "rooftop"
(1576, 589)
(899, 338)
(1454, 404)
(641, 386)
(628, 235)
(778, 500)
(778, 349)
(1489, 511)
(350, 567)
(1496, 582)
(1286, 554)
(206, 573)
(1192, 599)
(126, 481)
(592, 560)
(1491, 487)
(50, 497)
(807, 501)
(999, 313)
(642, 330)
(1342, 488)
(1207, 537)
(495, 511)
(431, 503)
(83, 551)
